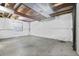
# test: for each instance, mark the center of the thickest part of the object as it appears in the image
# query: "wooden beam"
(57, 4)
(11, 5)
(22, 14)
(66, 8)
(18, 6)
(61, 12)
(62, 5)
(29, 13)
(2, 4)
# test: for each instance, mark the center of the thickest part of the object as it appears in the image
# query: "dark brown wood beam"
(29, 13)
(66, 8)
(2, 4)
(60, 6)
(61, 12)
(56, 4)
(22, 14)
(11, 5)
(18, 6)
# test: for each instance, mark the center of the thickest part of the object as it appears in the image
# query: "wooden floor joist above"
(61, 9)
(56, 9)
(58, 6)
(61, 13)
(24, 10)
(28, 12)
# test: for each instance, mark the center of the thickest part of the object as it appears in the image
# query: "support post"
(74, 26)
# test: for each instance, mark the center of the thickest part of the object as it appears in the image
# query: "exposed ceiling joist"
(62, 8)
(59, 6)
(17, 6)
(39, 11)
(66, 8)
(61, 12)
(23, 10)
(56, 4)
(28, 12)
(6, 9)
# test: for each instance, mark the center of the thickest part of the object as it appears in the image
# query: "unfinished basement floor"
(35, 46)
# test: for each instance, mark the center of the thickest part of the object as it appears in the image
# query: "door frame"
(74, 26)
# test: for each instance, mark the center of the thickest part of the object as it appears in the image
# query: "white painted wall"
(77, 28)
(5, 31)
(59, 28)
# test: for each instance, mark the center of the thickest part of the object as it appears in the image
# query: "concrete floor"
(35, 46)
